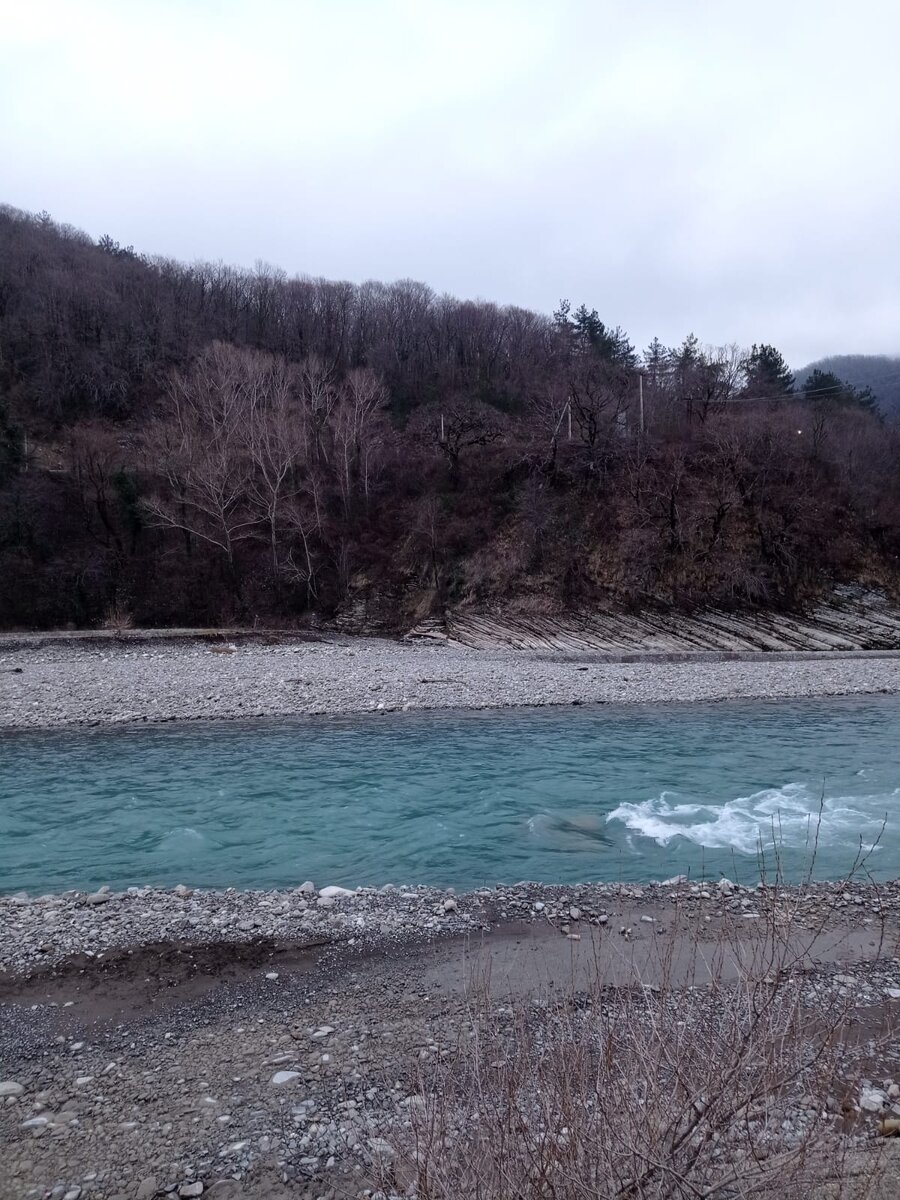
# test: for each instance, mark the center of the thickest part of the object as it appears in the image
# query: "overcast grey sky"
(727, 168)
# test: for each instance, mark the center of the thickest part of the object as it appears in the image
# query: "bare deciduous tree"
(358, 431)
(461, 426)
(203, 449)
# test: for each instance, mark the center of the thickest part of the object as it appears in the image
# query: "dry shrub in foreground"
(118, 618)
(655, 1090)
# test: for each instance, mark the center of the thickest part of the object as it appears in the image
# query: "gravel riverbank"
(92, 682)
(270, 1045)
(38, 933)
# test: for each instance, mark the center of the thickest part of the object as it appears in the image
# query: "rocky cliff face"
(853, 619)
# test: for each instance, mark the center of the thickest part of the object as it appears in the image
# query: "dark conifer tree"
(766, 373)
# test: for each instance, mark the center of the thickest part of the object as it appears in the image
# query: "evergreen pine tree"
(825, 388)
(766, 373)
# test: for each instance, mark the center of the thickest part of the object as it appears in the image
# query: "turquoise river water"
(463, 799)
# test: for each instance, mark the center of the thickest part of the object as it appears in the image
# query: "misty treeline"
(198, 445)
(878, 374)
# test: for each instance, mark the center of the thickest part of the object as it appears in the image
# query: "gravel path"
(87, 683)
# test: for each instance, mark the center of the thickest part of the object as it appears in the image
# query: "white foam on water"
(787, 816)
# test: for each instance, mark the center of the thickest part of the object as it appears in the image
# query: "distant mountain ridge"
(880, 372)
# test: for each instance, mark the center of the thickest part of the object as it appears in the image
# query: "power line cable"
(803, 393)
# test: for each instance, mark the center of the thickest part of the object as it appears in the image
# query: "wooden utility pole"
(641, 399)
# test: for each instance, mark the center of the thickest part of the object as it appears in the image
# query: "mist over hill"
(878, 372)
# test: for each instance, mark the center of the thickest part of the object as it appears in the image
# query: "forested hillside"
(880, 373)
(199, 444)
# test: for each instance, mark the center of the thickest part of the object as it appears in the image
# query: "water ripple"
(453, 798)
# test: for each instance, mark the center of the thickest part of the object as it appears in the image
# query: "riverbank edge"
(44, 934)
(91, 639)
(148, 1040)
(115, 684)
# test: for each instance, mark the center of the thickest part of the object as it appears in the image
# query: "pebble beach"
(274, 1044)
(108, 682)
